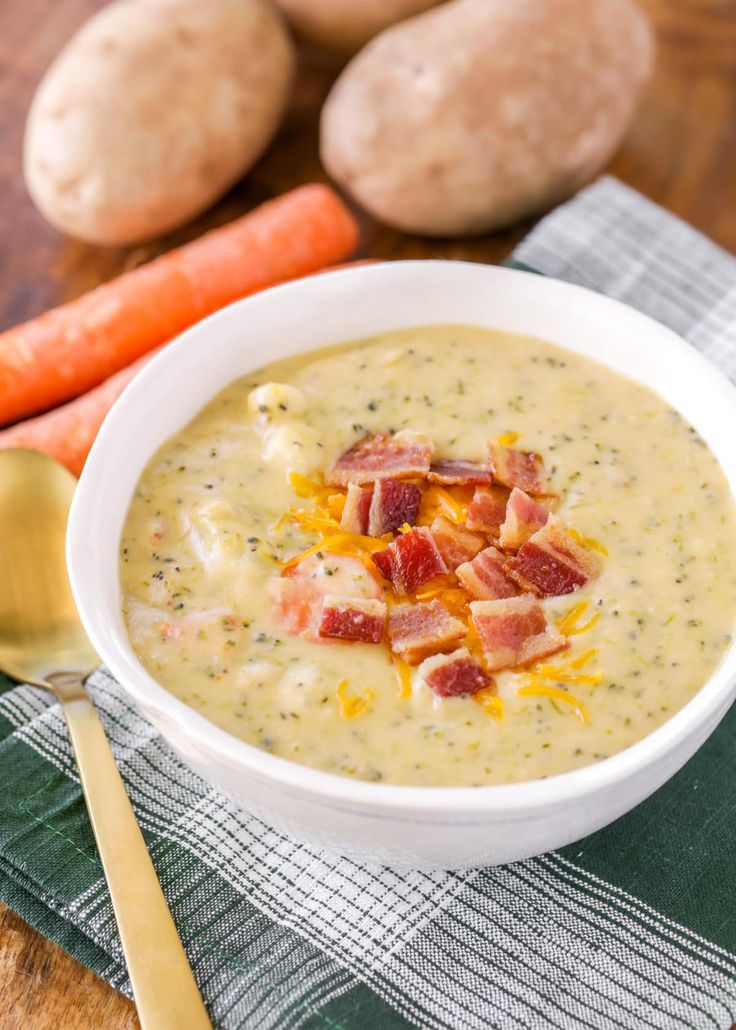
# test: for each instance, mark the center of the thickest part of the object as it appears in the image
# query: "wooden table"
(681, 152)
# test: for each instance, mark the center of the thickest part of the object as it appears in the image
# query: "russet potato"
(152, 111)
(480, 112)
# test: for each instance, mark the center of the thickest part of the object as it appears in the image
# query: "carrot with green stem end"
(70, 349)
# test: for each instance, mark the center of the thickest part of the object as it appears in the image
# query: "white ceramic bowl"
(402, 826)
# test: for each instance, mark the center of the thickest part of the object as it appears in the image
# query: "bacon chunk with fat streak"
(487, 510)
(297, 595)
(515, 631)
(380, 456)
(418, 630)
(454, 472)
(354, 517)
(551, 563)
(485, 577)
(524, 469)
(524, 516)
(455, 674)
(352, 618)
(456, 544)
(410, 561)
(394, 503)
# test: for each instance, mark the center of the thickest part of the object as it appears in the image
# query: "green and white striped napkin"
(634, 927)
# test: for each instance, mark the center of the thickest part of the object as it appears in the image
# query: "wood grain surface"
(681, 152)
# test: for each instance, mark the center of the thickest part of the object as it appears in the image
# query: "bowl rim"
(383, 800)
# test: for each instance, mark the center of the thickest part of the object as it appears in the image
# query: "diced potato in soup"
(591, 596)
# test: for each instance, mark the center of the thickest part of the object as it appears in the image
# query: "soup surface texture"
(206, 530)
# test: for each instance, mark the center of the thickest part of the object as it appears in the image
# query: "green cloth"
(632, 927)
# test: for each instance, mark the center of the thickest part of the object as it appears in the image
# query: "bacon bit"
(385, 562)
(551, 563)
(557, 694)
(506, 439)
(485, 578)
(354, 517)
(455, 675)
(487, 510)
(352, 618)
(297, 594)
(490, 703)
(410, 561)
(524, 517)
(588, 542)
(455, 543)
(418, 630)
(514, 631)
(394, 504)
(459, 473)
(355, 705)
(524, 469)
(380, 456)
(403, 676)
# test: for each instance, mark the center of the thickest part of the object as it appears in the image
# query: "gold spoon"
(43, 642)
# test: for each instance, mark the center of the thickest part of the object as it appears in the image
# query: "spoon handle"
(166, 995)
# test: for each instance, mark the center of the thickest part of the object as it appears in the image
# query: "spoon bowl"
(40, 631)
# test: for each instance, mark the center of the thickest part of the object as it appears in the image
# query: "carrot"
(69, 349)
(67, 433)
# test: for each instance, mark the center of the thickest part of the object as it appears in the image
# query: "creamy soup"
(225, 503)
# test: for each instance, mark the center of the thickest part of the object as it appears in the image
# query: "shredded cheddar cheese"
(568, 624)
(351, 706)
(336, 506)
(490, 702)
(585, 626)
(436, 500)
(583, 659)
(507, 439)
(312, 521)
(560, 674)
(556, 694)
(403, 677)
(303, 486)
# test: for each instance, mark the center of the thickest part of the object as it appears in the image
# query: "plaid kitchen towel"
(633, 927)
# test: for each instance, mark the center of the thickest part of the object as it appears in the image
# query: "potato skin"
(152, 111)
(470, 117)
(344, 26)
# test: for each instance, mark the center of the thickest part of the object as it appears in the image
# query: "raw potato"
(152, 111)
(344, 26)
(472, 116)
